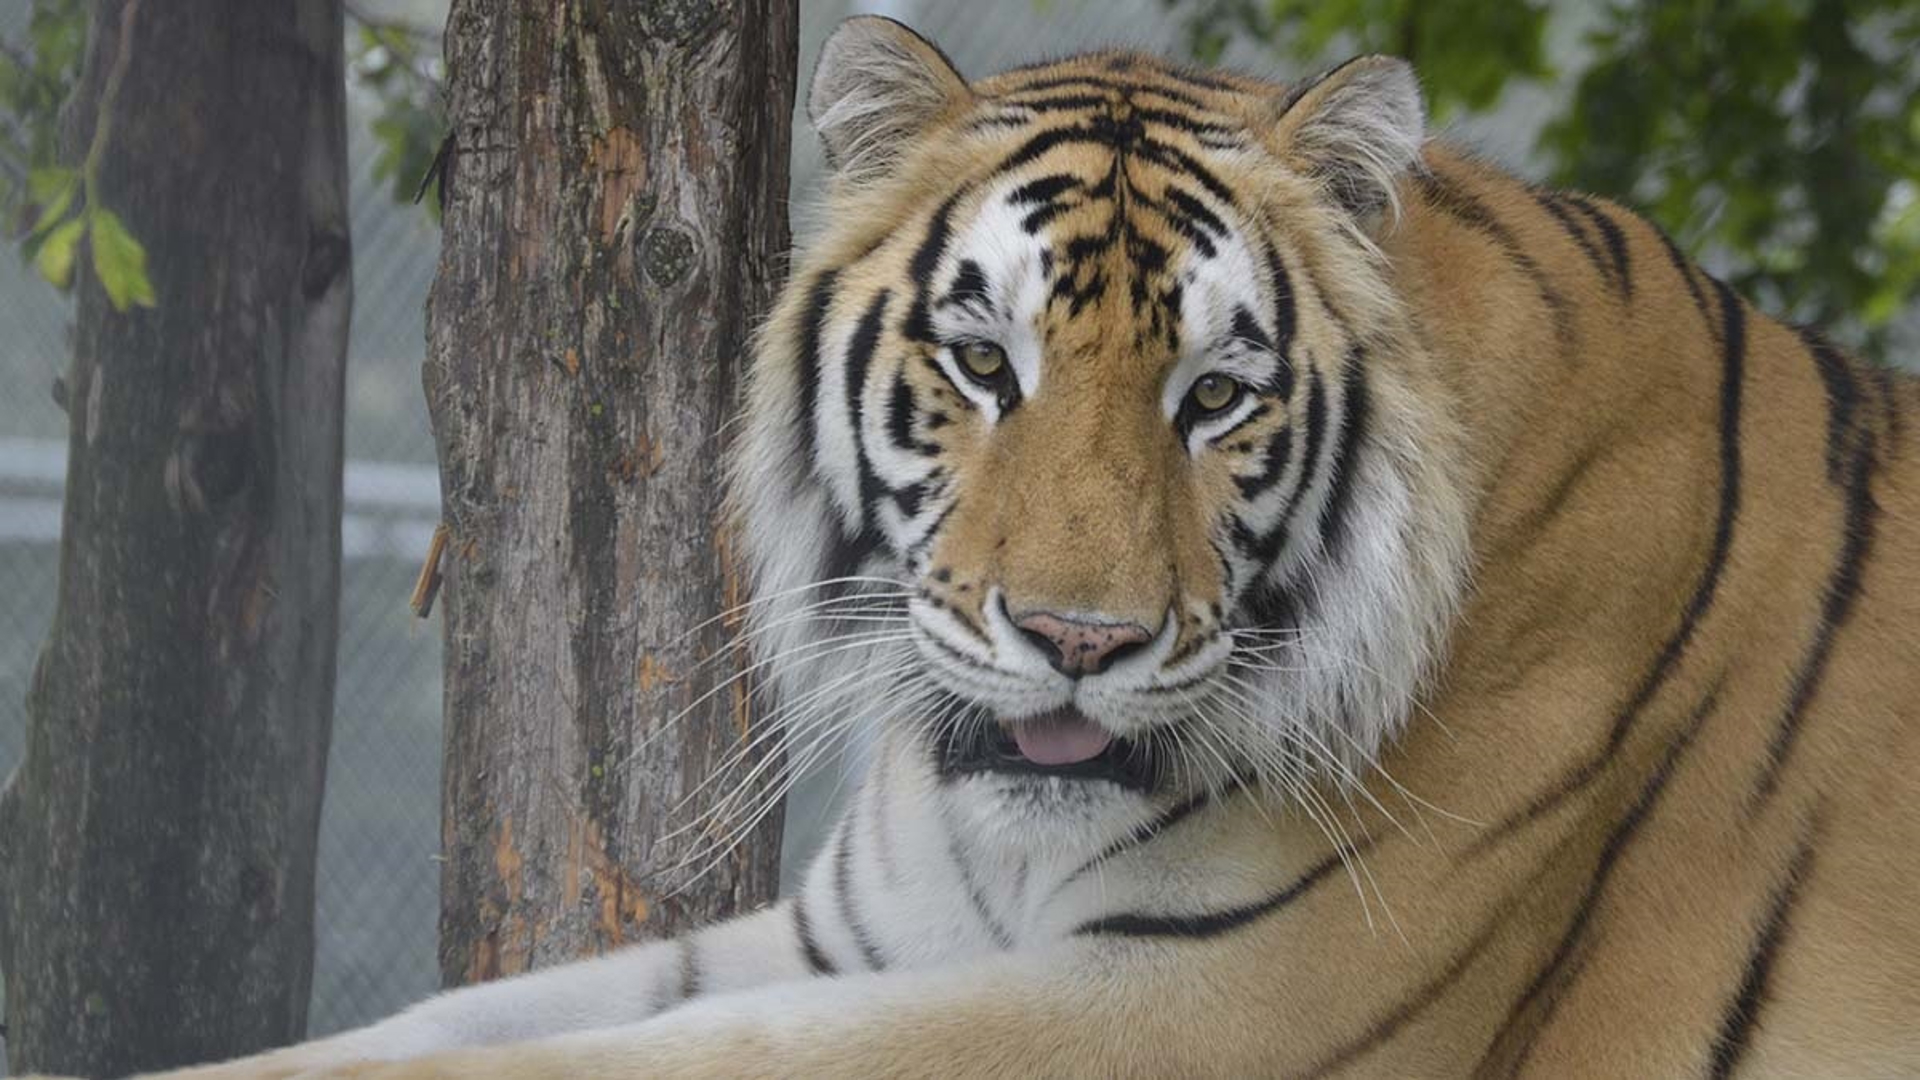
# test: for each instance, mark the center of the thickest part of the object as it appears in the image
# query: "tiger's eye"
(983, 360)
(1214, 393)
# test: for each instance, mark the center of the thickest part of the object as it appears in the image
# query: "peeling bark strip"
(611, 236)
(157, 844)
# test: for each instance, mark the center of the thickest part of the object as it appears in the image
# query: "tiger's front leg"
(621, 988)
(1080, 1008)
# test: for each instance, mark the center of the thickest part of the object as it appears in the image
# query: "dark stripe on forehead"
(969, 286)
(1095, 82)
(1197, 210)
(1248, 329)
(1043, 189)
(1172, 157)
(1182, 122)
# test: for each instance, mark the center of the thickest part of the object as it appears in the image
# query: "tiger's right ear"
(877, 85)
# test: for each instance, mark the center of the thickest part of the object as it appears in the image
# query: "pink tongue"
(1060, 738)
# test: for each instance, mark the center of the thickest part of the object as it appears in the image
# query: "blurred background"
(1778, 141)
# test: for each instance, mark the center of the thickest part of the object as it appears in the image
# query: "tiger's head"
(1089, 439)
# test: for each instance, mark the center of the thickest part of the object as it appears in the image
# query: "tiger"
(1316, 603)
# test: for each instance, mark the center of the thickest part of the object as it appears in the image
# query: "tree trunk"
(157, 843)
(615, 211)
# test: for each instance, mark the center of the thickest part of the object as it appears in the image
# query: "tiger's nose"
(1077, 647)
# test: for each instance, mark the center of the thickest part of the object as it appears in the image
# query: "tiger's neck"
(1614, 394)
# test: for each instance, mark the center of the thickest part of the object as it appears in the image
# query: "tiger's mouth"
(1064, 743)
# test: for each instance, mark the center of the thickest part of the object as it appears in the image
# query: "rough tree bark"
(615, 212)
(157, 843)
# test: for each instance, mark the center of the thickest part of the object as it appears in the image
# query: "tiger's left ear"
(1357, 129)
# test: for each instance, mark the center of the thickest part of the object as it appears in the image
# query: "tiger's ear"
(877, 85)
(1357, 129)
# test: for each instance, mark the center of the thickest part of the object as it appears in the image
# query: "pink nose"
(1077, 648)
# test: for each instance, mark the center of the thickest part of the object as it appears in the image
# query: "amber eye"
(1213, 394)
(983, 360)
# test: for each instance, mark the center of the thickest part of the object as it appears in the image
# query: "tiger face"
(1085, 444)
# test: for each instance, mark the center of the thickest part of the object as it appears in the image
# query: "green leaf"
(55, 203)
(44, 185)
(54, 260)
(120, 262)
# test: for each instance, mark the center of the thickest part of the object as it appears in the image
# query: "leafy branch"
(1780, 138)
(56, 207)
(399, 62)
(118, 259)
(53, 207)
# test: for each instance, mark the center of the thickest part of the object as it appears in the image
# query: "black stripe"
(1743, 1011)
(926, 258)
(969, 286)
(1395, 1018)
(1263, 549)
(1191, 125)
(1141, 834)
(1844, 400)
(1037, 86)
(1850, 462)
(1615, 239)
(1284, 317)
(902, 407)
(1686, 271)
(1733, 366)
(1172, 157)
(1042, 142)
(860, 349)
(819, 301)
(981, 909)
(817, 961)
(843, 898)
(1277, 452)
(1210, 923)
(1248, 329)
(1345, 466)
(1553, 203)
(1316, 446)
(1534, 1008)
(1043, 189)
(1197, 210)
(1571, 478)
(1063, 103)
(1451, 198)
